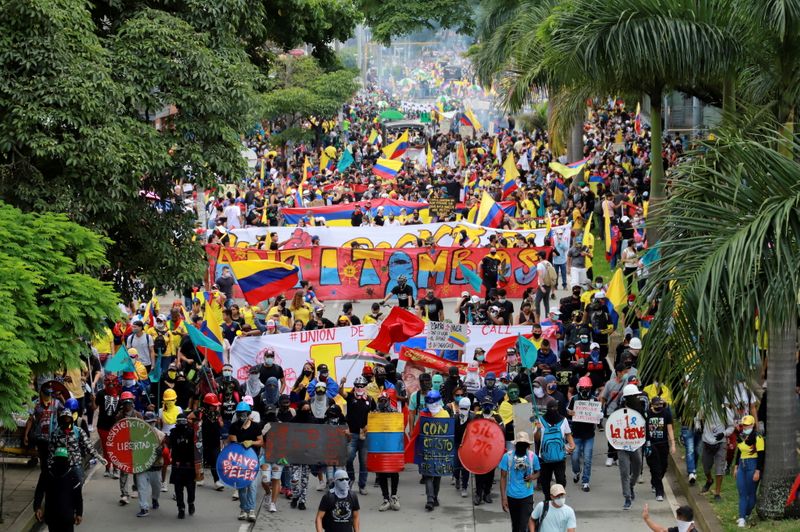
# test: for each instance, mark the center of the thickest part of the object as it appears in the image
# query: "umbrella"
(391, 114)
(363, 356)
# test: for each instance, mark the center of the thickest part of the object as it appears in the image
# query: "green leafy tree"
(50, 296)
(393, 19)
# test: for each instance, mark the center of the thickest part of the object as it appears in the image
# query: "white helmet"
(630, 389)
(635, 343)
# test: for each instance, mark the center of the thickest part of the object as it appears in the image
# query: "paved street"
(600, 510)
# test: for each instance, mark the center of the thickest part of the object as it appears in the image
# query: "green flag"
(527, 351)
(345, 161)
(120, 362)
(472, 278)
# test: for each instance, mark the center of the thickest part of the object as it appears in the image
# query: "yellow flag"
(616, 292)
(587, 231)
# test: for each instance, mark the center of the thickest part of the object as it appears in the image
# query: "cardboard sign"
(385, 442)
(237, 466)
(523, 418)
(625, 429)
(441, 207)
(132, 445)
(588, 412)
(435, 447)
(483, 446)
(306, 443)
(445, 335)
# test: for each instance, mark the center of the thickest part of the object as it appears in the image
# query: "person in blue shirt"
(519, 470)
(546, 356)
(490, 390)
(332, 389)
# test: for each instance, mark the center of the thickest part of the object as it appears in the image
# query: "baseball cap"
(556, 490)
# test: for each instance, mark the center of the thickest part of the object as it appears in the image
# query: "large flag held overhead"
(472, 278)
(510, 175)
(489, 213)
(262, 279)
(396, 149)
(469, 119)
(120, 362)
(211, 329)
(151, 310)
(387, 168)
(617, 293)
(206, 345)
(326, 162)
(569, 170)
(345, 161)
(373, 137)
(399, 326)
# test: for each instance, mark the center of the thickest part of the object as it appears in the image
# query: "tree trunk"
(728, 97)
(657, 190)
(575, 146)
(782, 423)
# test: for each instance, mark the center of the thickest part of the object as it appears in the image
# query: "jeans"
(149, 484)
(747, 488)
(630, 466)
(520, 511)
(190, 487)
(583, 448)
(559, 469)
(542, 295)
(247, 496)
(691, 442)
(432, 488)
(658, 463)
(357, 446)
(562, 268)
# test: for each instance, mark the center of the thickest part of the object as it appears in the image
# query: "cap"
(491, 375)
(128, 375)
(635, 343)
(323, 368)
(556, 490)
(432, 397)
(367, 371)
(270, 323)
(524, 437)
(549, 378)
(464, 294)
(748, 420)
(474, 300)
(133, 352)
(321, 386)
(555, 311)
(594, 345)
(161, 317)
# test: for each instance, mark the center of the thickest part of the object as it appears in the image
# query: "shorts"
(714, 455)
(271, 472)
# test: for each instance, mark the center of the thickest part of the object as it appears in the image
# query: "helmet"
(432, 397)
(635, 343)
(127, 396)
(402, 279)
(243, 407)
(210, 399)
(630, 389)
(748, 420)
(584, 382)
(61, 452)
(170, 395)
(359, 382)
(72, 404)
(66, 413)
(367, 371)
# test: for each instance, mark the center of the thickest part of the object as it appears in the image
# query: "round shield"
(133, 445)
(483, 446)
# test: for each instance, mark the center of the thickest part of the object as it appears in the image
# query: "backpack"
(545, 507)
(552, 446)
(551, 277)
(160, 343)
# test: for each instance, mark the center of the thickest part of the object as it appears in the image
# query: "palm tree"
(729, 256)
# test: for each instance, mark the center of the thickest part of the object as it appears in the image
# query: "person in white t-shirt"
(233, 214)
(558, 517)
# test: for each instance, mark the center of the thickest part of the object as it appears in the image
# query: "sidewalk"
(20, 486)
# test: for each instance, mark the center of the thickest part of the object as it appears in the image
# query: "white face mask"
(538, 392)
(558, 502)
(463, 414)
(684, 526)
(435, 408)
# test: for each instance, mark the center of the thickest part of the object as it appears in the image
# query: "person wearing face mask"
(138, 389)
(359, 405)
(230, 395)
(417, 401)
(323, 375)
(684, 523)
(211, 432)
(167, 417)
(60, 488)
(749, 463)
(588, 296)
(390, 500)
(379, 383)
(463, 416)
(452, 382)
(107, 401)
(126, 409)
(630, 462)
(270, 369)
(555, 442)
(553, 514)
(483, 482)
(147, 482)
(69, 435)
(545, 356)
(506, 411)
(42, 421)
(506, 306)
(582, 435)
(490, 391)
(660, 443)
(181, 445)
(472, 380)
(375, 315)
(271, 473)
(248, 433)
(433, 408)
(571, 303)
(551, 388)
(519, 469)
(538, 393)
(339, 508)
(299, 472)
(404, 293)
(597, 367)
(253, 385)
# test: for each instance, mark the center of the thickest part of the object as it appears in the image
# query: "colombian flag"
(205, 344)
(387, 168)
(326, 162)
(339, 215)
(510, 175)
(212, 329)
(637, 122)
(373, 137)
(385, 442)
(397, 148)
(489, 213)
(457, 338)
(469, 119)
(559, 191)
(262, 279)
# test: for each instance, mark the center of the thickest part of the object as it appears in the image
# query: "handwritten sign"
(132, 445)
(435, 447)
(445, 335)
(306, 443)
(441, 207)
(523, 418)
(588, 412)
(625, 429)
(237, 466)
(482, 447)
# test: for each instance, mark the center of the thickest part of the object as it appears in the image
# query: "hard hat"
(211, 399)
(584, 382)
(748, 420)
(170, 395)
(635, 343)
(72, 404)
(243, 407)
(61, 452)
(127, 396)
(432, 397)
(630, 389)
(359, 381)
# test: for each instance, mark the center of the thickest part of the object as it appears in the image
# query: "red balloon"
(483, 446)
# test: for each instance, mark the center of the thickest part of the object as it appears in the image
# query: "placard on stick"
(306, 443)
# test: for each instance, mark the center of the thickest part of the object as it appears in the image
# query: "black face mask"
(521, 448)
(537, 335)
(60, 466)
(380, 380)
(65, 424)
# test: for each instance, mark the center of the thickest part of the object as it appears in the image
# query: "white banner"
(393, 236)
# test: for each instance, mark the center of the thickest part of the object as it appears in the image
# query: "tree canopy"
(393, 19)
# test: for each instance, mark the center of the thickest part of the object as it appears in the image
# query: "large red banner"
(342, 273)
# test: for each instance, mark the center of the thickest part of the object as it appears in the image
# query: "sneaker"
(395, 503)
(320, 485)
(93, 461)
(107, 473)
(436, 501)
(91, 429)
(272, 507)
(123, 500)
(609, 462)
(115, 475)
(692, 479)
(219, 486)
(487, 498)
(429, 507)
(477, 500)
(385, 505)
(464, 493)
(235, 495)
(717, 497)
(301, 505)
(576, 477)
(585, 487)
(181, 514)
(164, 487)
(155, 504)
(134, 494)
(143, 513)
(362, 491)
(627, 505)
(653, 489)
(706, 486)
(452, 481)
(251, 516)
(660, 498)
(293, 504)
(201, 482)
(191, 508)
(242, 515)
(741, 523)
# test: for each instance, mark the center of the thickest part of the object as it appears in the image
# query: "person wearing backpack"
(519, 469)
(553, 515)
(555, 442)
(548, 281)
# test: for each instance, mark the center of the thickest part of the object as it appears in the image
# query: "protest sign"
(132, 445)
(625, 429)
(523, 418)
(306, 443)
(482, 447)
(588, 412)
(237, 466)
(435, 447)
(441, 207)
(385, 442)
(446, 335)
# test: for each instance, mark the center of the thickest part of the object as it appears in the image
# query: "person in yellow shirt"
(104, 343)
(375, 315)
(749, 460)
(658, 390)
(141, 371)
(299, 308)
(506, 411)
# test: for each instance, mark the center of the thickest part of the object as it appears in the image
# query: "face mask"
(683, 526)
(253, 380)
(182, 422)
(598, 285)
(571, 350)
(320, 393)
(576, 294)
(172, 374)
(436, 384)
(583, 392)
(341, 487)
(747, 432)
(380, 380)
(480, 358)
(490, 383)
(65, 423)
(269, 361)
(502, 300)
(435, 408)
(538, 392)
(323, 377)
(227, 374)
(307, 372)
(127, 383)
(513, 395)
(559, 501)
(584, 339)
(242, 416)
(537, 335)
(60, 466)
(520, 449)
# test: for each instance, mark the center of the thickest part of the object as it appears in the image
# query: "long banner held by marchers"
(346, 273)
(392, 236)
